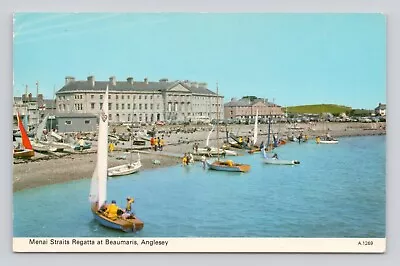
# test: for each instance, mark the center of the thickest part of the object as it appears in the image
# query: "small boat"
(328, 142)
(228, 166)
(98, 188)
(125, 169)
(271, 160)
(86, 145)
(26, 151)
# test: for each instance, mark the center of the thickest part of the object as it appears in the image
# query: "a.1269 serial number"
(366, 243)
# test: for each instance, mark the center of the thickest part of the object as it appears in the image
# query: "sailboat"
(98, 189)
(27, 150)
(272, 160)
(213, 150)
(228, 165)
(254, 148)
(326, 139)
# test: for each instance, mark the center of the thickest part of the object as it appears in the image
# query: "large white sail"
(208, 137)
(99, 179)
(41, 127)
(255, 129)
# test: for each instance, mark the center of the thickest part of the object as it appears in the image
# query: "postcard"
(199, 132)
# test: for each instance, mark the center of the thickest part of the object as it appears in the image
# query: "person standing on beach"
(161, 144)
(152, 142)
(155, 144)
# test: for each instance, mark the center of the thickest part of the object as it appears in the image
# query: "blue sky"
(293, 58)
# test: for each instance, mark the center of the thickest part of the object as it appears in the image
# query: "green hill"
(319, 109)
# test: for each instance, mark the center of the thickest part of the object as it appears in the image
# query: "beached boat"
(85, 146)
(98, 189)
(328, 142)
(125, 169)
(26, 151)
(228, 165)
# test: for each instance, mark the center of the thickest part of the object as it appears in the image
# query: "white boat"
(281, 162)
(271, 160)
(328, 142)
(125, 169)
(214, 151)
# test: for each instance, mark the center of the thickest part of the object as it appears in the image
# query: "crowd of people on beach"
(156, 143)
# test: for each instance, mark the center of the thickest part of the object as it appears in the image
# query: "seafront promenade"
(51, 169)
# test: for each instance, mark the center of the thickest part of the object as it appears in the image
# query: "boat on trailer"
(98, 188)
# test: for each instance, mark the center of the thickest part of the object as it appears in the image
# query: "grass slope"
(319, 109)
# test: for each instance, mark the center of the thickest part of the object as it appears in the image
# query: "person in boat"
(81, 144)
(318, 139)
(328, 136)
(103, 207)
(229, 163)
(275, 156)
(112, 210)
(128, 212)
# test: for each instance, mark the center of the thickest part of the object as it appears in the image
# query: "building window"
(68, 122)
(87, 121)
(145, 106)
(140, 97)
(134, 106)
(122, 106)
(128, 97)
(109, 117)
(158, 106)
(122, 97)
(116, 97)
(92, 106)
(134, 97)
(151, 106)
(129, 106)
(101, 106)
(169, 107)
(151, 97)
(116, 106)
(129, 117)
(140, 106)
(92, 96)
(109, 106)
(80, 96)
(101, 96)
(145, 97)
(59, 107)
(109, 96)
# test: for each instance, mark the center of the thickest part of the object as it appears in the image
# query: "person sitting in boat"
(229, 163)
(112, 210)
(128, 212)
(328, 136)
(103, 207)
(275, 156)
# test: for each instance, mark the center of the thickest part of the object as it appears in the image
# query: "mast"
(54, 106)
(217, 124)
(131, 138)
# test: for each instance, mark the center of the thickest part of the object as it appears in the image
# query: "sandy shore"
(53, 170)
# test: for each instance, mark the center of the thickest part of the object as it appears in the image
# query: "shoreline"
(46, 171)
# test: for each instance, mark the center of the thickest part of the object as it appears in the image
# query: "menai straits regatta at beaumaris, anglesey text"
(91, 242)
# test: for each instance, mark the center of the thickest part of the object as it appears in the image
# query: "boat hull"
(281, 162)
(25, 154)
(220, 166)
(328, 142)
(125, 169)
(125, 225)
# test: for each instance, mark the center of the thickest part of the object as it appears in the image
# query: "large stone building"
(140, 101)
(247, 107)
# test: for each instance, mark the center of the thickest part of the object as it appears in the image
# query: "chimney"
(113, 80)
(203, 85)
(164, 80)
(194, 84)
(30, 97)
(130, 80)
(69, 79)
(24, 98)
(146, 81)
(92, 80)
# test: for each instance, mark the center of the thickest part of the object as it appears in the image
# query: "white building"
(140, 101)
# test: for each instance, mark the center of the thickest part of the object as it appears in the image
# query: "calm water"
(336, 191)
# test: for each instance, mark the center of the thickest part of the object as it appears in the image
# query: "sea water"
(336, 191)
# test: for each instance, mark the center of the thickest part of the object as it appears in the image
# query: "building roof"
(246, 102)
(75, 115)
(84, 85)
(381, 107)
(50, 103)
